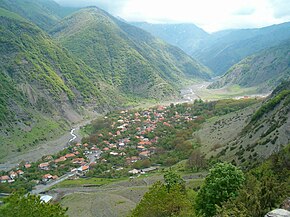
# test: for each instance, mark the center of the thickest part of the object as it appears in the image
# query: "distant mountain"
(44, 13)
(127, 57)
(186, 36)
(220, 50)
(223, 49)
(264, 70)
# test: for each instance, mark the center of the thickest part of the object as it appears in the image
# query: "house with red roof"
(4, 179)
(69, 155)
(61, 159)
(44, 166)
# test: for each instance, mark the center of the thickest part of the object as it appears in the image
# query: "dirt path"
(50, 147)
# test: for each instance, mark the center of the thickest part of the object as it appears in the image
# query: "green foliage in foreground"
(17, 205)
(226, 192)
(265, 188)
(161, 201)
(222, 183)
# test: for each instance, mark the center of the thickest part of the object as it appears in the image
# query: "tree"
(257, 197)
(196, 160)
(162, 200)
(17, 205)
(158, 202)
(222, 183)
(171, 179)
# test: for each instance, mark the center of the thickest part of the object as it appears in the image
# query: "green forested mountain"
(264, 70)
(186, 36)
(126, 57)
(42, 85)
(220, 50)
(45, 86)
(44, 13)
(223, 49)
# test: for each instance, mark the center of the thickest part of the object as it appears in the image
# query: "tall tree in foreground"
(222, 183)
(17, 205)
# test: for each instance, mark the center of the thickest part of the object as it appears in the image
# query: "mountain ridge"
(264, 70)
(128, 49)
(188, 35)
(221, 50)
(44, 13)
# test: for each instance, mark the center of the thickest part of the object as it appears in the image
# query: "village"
(123, 143)
(130, 139)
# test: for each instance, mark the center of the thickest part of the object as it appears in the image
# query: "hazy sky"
(211, 15)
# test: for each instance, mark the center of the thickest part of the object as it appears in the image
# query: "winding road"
(47, 148)
(74, 136)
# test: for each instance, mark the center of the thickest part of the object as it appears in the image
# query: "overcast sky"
(211, 15)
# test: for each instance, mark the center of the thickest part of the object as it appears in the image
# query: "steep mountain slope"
(44, 13)
(223, 49)
(265, 69)
(127, 57)
(252, 134)
(42, 85)
(184, 35)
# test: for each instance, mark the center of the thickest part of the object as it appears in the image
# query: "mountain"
(44, 13)
(264, 70)
(252, 134)
(127, 57)
(43, 87)
(220, 50)
(223, 49)
(186, 36)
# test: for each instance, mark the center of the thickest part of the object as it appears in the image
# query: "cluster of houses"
(129, 130)
(80, 167)
(11, 177)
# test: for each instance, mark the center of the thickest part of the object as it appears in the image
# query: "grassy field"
(114, 197)
(225, 93)
(86, 182)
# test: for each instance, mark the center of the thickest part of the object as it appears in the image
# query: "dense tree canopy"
(17, 205)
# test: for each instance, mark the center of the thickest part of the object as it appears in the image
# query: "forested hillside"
(127, 57)
(219, 50)
(43, 84)
(186, 36)
(44, 13)
(223, 49)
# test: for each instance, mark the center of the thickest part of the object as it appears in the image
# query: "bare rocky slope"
(250, 134)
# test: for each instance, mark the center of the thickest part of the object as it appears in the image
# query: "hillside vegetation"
(219, 50)
(125, 56)
(43, 85)
(252, 134)
(44, 13)
(264, 70)
(186, 36)
(223, 49)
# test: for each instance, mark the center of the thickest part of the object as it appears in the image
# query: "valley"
(113, 117)
(187, 95)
